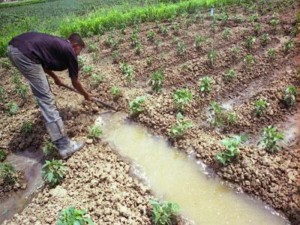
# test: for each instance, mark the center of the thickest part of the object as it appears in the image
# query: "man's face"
(77, 49)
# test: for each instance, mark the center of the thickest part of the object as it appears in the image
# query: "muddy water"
(177, 178)
(29, 163)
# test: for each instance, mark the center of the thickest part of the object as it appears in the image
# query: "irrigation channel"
(177, 178)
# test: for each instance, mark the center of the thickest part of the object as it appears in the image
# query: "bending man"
(35, 54)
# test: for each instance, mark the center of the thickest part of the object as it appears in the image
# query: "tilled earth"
(99, 180)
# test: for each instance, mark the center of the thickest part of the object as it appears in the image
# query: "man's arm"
(78, 86)
(54, 77)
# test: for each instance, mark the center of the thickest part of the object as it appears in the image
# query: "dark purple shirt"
(52, 52)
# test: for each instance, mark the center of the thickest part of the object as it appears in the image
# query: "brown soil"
(98, 171)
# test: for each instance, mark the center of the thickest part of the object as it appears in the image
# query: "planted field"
(220, 86)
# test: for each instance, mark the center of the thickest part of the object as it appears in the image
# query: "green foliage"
(97, 79)
(199, 40)
(5, 63)
(254, 18)
(3, 155)
(205, 84)
(73, 216)
(180, 128)
(92, 47)
(212, 56)
(87, 69)
(49, 149)
(12, 108)
(81, 60)
(151, 35)
(290, 96)
(272, 53)
(95, 131)
(128, 71)
(8, 174)
(265, 39)
(260, 107)
(220, 116)
(156, 81)
(181, 48)
(116, 92)
(227, 34)
(232, 149)
(271, 137)
(163, 29)
(27, 127)
(3, 94)
(175, 27)
(137, 105)
(288, 46)
(111, 42)
(250, 41)
(182, 97)
(163, 212)
(249, 60)
(231, 118)
(235, 52)
(138, 49)
(22, 90)
(230, 74)
(53, 172)
(274, 22)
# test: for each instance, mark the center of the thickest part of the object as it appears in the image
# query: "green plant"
(22, 90)
(181, 48)
(274, 22)
(134, 38)
(96, 79)
(230, 74)
(53, 172)
(27, 127)
(231, 118)
(232, 149)
(49, 149)
(111, 42)
(92, 47)
(249, 60)
(5, 63)
(180, 128)
(128, 71)
(12, 108)
(254, 18)
(272, 53)
(95, 131)
(175, 27)
(260, 107)
(257, 28)
(250, 41)
(8, 174)
(151, 35)
(16, 78)
(156, 81)
(149, 61)
(235, 52)
(265, 39)
(138, 49)
(288, 46)
(73, 216)
(3, 155)
(81, 60)
(116, 92)
(163, 29)
(227, 34)
(3, 94)
(182, 97)
(87, 69)
(290, 96)
(199, 40)
(271, 137)
(115, 56)
(163, 212)
(205, 84)
(137, 105)
(218, 113)
(212, 56)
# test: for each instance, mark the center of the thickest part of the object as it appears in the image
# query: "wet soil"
(97, 171)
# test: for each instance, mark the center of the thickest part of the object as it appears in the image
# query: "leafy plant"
(181, 48)
(180, 128)
(96, 79)
(22, 90)
(53, 172)
(87, 69)
(182, 97)
(205, 84)
(290, 96)
(73, 216)
(156, 81)
(136, 105)
(212, 56)
(95, 131)
(250, 41)
(115, 56)
(163, 29)
(5, 63)
(150, 35)
(199, 40)
(27, 127)
(249, 60)
(271, 137)
(134, 38)
(81, 60)
(260, 107)
(272, 53)
(116, 92)
(175, 27)
(231, 118)
(265, 39)
(8, 174)
(235, 52)
(163, 212)
(232, 149)
(128, 71)
(3, 94)
(227, 34)
(138, 49)
(111, 41)
(274, 22)
(254, 18)
(3, 155)
(92, 47)
(257, 28)
(288, 46)
(230, 74)
(12, 108)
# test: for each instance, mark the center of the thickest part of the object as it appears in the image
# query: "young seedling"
(250, 41)
(290, 96)
(16, 78)
(182, 97)
(128, 71)
(134, 38)
(218, 114)
(199, 40)
(271, 137)
(73, 216)
(232, 149)
(205, 84)
(96, 79)
(260, 107)
(257, 28)
(53, 172)
(265, 39)
(227, 34)
(254, 18)
(3, 94)
(230, 75)
(235, 52)
(211, 57)
(81, 61)
(12, 108)
(87, 69)
(95, 132)
(157, 80)
(3, 155)
(175, 27)
(181, 48)
(138, 49)
(164, 212)
(111, 42)
(92, 47)
(137, 105)
(5, 63)
(27, 127)
(163, 30)
(231, 118)
(22, 90)
(249, 60)
(180, 128)
(274, 22)
(288, 46)
(115, 56)
(272, 53)
(149, 61)
(49, 149)
(115, 92)
(151, 35)
(8, 174)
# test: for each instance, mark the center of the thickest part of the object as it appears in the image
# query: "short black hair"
(75, 38)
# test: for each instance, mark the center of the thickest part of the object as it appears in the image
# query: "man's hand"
(58, 82)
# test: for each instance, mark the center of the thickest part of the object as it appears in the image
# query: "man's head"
(76, 42)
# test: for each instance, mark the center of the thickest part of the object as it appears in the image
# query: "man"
(35, 54)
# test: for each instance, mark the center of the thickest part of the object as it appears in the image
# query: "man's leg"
(37, 79)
